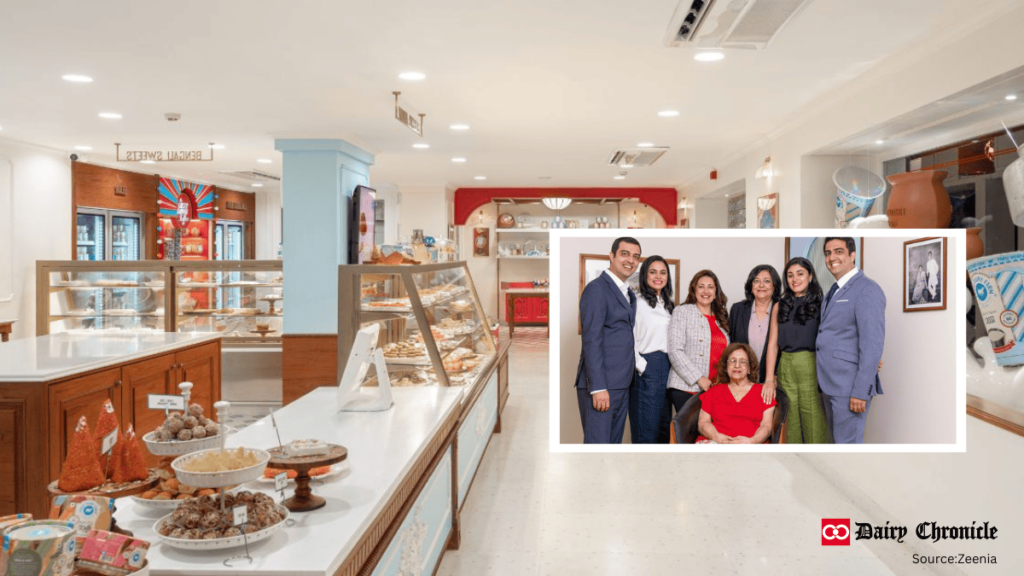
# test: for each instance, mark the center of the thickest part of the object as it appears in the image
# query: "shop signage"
(407, 117)
(120, 190)
(163, 155)
(184, 210)
(234, 206)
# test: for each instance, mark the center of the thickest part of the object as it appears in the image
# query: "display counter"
(47, 383)
(392, 510)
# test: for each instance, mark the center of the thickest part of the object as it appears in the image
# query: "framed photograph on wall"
(814, 250)
(593, 265)
(768, 211)
(481, 241)
(924, 274)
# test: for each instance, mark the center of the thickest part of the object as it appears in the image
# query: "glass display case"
(243, 300)
(239, 299)
(108, 296)
(433, 331)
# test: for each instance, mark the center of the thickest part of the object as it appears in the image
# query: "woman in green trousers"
(793, 332)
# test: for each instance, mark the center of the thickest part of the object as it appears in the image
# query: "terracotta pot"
(919, 200)
(975, 247)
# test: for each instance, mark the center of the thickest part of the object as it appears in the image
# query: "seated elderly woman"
(732, 411)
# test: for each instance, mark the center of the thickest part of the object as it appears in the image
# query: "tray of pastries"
(406, 353)
(216, 468)
(417, 378)
(169, 493)
(201, 524)
(184, 433)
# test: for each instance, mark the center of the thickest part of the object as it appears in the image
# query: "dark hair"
(748, 288)
(718, 308)
(648, 293)
(752, 363)
(851, 244)
(811, 305)
(626, 239)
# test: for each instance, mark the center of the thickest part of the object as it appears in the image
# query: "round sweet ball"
(195, 410)
(164, 435)
(185, 434)
(174, 425)
(199, 432)
(191, 422)
(211, 429)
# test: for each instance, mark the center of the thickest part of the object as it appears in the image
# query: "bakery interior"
(332, 224)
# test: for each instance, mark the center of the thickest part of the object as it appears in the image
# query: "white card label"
(108, 442)
(166, 402)
(280, 481)
(241, 514)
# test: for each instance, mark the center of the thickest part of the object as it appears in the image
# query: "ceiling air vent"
(250, 175)
(750, 24)
(636, 156)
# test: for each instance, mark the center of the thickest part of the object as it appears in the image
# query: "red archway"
(662, 200)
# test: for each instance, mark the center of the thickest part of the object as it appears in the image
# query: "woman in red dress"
(732, 411)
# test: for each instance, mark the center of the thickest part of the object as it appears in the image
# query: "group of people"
(644, 357)
(926, 282)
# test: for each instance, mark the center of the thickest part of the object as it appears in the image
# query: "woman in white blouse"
(650, 412)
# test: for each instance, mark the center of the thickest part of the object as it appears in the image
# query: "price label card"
(166, 402)
(108, 442)
(280, 481)
(241, 515)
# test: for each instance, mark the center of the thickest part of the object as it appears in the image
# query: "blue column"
(317, 180)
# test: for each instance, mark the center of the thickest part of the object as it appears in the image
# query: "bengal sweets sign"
(162, 155)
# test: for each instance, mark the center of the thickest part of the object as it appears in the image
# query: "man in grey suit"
(851, 335)
(605, 372)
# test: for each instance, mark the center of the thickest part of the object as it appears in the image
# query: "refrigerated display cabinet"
(109, 235)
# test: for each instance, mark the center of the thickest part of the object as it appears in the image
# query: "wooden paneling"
(72, 399)
(246, 200)
(201, 367)
(308, 361)
(140, 379)
(93, 186)
(12, 416)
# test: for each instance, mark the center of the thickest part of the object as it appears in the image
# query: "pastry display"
(170, 488)
(292, 474)
(405, 350)
(221, 461)
(205, 519)
(81, 470)
(306, 447)
(418, 378)
(452, 364)
(128, 464)
(184, 427)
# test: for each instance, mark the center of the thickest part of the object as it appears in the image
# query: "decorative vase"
(856, 191)
(919, 200)
(975, 247)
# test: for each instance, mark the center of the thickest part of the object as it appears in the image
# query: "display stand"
(304, 500)
(364, 352)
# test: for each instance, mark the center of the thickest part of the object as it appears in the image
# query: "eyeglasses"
(763, 282)
(738, 362)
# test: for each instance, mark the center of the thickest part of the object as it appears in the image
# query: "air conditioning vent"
(636, 156)
(749, 24)
(250, 175)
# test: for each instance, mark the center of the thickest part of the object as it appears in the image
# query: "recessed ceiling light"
(645, 145)
(110, 115)
(619, 177)
(668, 113)
(257, 185)
(1011, 96)
(412, 76)
(264, 160)
(83, 148)
(458, 159)
(479, 177)
(880, 141)
(80, 78)
(625, 165)
(459, 126)
(147, 162)
(709, 56)
(421, 145)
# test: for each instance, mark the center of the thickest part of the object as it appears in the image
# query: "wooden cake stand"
(304, 500)
(112, 491)
(263, 332)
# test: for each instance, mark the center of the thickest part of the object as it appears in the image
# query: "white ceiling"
(548, 88)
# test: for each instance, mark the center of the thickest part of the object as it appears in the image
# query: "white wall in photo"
(918, 376)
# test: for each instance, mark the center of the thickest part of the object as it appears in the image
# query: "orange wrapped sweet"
(113, 468)
(133, 463)
(106, 424)
(81, 471)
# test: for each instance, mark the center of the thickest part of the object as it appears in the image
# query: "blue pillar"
(317, 180)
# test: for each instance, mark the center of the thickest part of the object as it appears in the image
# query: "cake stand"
(272, 299)
(304, 500)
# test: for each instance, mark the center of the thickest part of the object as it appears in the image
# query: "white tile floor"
(533, 512)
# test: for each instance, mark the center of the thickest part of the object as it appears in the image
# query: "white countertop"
(61, 355)
(382, 448)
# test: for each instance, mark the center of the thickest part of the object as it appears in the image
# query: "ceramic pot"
(975, 247)
(919, 200)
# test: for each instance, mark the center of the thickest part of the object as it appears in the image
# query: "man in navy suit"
(605, 372)
(851, 335)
